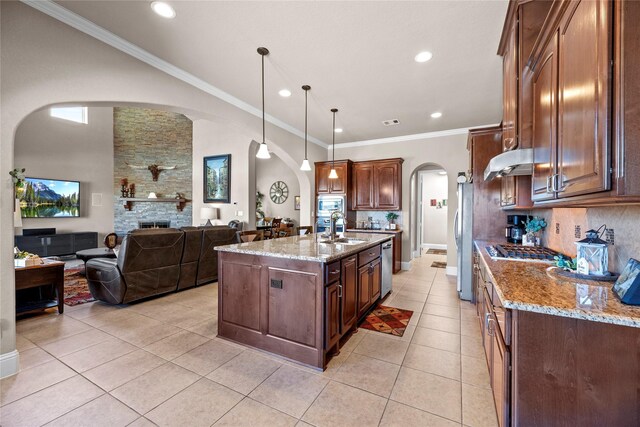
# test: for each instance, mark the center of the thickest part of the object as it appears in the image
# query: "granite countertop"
(369, 230)
(528, 286)
(307, 247)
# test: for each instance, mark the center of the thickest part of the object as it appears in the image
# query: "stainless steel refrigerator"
(463, 232)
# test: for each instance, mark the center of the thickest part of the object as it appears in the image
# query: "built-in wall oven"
(326, 205)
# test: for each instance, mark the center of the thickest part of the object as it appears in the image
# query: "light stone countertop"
(528, 286)
(307, 248)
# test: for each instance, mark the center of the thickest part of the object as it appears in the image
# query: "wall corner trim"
(405, 265)
(9, 364)
(451, 271)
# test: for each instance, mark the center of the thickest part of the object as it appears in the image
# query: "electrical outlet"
(578, 232)
(239, 213)
(557, 228)
(276, 283)
(609, 236)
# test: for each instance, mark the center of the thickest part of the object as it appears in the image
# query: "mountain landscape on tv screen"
(39, 200)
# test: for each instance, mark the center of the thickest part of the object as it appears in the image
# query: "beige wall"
(447, 151)
(269, 171)
(49, 147)
(45, 62)
(434, 220)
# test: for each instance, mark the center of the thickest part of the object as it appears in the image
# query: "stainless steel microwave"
(328, 204)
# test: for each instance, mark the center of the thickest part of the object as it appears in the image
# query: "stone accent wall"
(143, 137)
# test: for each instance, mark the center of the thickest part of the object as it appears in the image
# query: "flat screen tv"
(49, 198)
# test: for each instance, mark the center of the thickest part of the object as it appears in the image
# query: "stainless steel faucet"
(335, 215)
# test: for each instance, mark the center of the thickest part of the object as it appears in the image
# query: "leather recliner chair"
(190, 257)
(148, 264)
(218, 235)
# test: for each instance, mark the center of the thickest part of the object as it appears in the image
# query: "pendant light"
(305, 163)
(263, 152)
(333, 174)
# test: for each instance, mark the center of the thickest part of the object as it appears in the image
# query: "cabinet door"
(500, 375)
(339, 185)
(60, 244)
(333, 314)
(349, 292)
(364, 289)
(545, 84)
(323, 186)
(376, 279)
(583, 112)
(508, 191)
(83, 241)
(363, 186)
(386, 186)
(33, 244)
(510, 92)
(487, 337)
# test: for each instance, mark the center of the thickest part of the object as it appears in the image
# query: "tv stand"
(57, 244)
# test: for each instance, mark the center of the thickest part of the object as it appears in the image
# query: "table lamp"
(208, 214)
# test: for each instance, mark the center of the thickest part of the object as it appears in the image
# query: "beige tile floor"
(160, 363)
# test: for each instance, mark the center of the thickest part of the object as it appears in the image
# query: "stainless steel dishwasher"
(387, 267)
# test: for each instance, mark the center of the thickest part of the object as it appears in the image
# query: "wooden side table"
(49, 273)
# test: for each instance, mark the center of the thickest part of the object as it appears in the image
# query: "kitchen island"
(298, 296)
(560, 351)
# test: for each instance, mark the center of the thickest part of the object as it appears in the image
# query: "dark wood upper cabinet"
(377, 185)
(510, 92)
(340, 185)
(583, 98)
(545, 89)
(363, 186)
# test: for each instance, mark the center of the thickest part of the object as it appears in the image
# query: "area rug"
(76, 289)
(439, 264)
(388, 320)
(437, 252)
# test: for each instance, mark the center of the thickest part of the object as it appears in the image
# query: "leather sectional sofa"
(157, 261)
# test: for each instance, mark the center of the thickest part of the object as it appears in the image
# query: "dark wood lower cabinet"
(500, 373)
(333, 314)
(364, 289)
(376, 279)
(349, 292)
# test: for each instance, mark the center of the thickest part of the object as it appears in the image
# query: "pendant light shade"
(305, 163)
(263, 151)
(333, 174)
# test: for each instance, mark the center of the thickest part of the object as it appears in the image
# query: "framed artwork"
(433, 202)
(444, 202)
(296, 203)
(627, 287)
(217, 179)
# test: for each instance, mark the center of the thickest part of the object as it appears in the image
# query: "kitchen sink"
(344, 241)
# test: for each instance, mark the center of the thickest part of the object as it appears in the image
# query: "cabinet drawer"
(368, 255)
(332, 272)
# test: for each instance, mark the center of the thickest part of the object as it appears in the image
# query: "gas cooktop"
(521, 253)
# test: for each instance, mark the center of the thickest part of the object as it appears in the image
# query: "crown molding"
(403, 138)
(88, 27)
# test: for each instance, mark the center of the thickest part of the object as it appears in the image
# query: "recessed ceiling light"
(163, 9)
(338, 130)
(436, 115)
(285, 93)
(423, 56)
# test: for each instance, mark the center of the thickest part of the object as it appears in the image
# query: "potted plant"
(533, 226)
(391, 217)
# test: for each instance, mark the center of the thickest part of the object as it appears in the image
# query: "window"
(74, 114)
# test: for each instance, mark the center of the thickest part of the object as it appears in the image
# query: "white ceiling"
(356, 56)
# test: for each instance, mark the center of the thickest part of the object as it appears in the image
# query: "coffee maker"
(515, 228)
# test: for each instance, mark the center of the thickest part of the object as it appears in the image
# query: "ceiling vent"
(392, 122)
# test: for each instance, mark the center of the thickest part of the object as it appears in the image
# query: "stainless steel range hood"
(514, 162)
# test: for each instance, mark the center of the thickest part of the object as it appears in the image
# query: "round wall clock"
(279, 192)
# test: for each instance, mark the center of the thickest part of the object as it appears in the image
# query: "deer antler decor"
(155, 169)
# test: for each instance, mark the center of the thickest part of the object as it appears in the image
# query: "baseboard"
(405, 265)
(452, 271)
(9, 364)
(416, 254)
(434, 246)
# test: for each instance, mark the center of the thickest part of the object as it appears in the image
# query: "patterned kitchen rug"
(388, 320)
(439, 264)
(76, 289)
(437, 252)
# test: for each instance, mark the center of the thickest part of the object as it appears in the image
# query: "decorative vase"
(530, 239)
